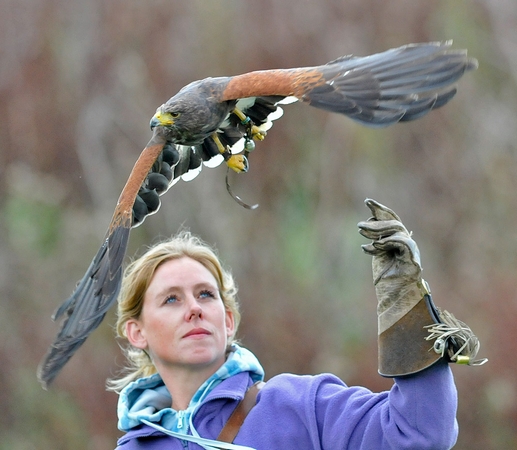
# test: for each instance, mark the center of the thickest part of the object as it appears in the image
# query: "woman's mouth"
(197, 333)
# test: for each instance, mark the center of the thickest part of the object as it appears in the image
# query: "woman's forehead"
(181, 271)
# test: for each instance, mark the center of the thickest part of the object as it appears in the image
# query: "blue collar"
(148, 398)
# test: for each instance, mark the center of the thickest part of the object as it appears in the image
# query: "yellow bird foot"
(257, 133)
(238, 163)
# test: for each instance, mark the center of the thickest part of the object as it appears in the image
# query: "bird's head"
(176, 121)
(192, 115)
(164, 118)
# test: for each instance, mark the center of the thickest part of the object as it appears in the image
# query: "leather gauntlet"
(412, 332)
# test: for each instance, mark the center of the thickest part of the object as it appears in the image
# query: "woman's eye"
(207, 294)
(171, 299)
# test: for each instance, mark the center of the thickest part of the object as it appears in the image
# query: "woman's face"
(183, 323)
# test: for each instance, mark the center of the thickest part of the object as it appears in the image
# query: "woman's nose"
(193, 308)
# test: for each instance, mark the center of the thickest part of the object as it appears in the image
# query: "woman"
(178, 310)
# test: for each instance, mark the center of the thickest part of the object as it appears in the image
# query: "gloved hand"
(406, 313)
(396, 264)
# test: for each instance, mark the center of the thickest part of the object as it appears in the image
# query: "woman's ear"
(230, 324)
(135, 334)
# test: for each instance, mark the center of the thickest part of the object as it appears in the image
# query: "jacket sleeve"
(419, 412)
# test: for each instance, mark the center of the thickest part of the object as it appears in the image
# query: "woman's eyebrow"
(166, 291)
(207, 284)
(200, 285)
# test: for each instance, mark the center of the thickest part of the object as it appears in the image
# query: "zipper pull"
(181, 419)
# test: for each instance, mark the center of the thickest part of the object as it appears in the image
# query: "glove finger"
(402, 246)
(369, 249)
(378, 229)
(381, 212)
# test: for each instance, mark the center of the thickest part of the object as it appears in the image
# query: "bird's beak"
(161, 118)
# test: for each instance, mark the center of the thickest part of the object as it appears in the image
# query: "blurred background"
(79, 81)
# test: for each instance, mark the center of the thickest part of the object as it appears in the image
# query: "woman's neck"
(182, 384)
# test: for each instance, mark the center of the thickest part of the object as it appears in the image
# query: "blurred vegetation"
(80, 80)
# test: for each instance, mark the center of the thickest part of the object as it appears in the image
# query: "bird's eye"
(175, 114)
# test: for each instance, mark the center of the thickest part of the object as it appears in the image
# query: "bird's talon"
(238, 163)
(257, 133)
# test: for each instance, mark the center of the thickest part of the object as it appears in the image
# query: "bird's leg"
(253, 131)
(238, 163)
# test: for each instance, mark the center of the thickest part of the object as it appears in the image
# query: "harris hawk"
(215, 119)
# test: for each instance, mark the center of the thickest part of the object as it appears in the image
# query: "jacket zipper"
(181, 420)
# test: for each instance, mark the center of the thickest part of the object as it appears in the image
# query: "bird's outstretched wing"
(397, 85)
(99, 287)
(401, 84)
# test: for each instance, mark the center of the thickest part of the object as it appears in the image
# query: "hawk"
(219, 119)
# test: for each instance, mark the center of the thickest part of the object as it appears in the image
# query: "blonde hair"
(136, 280)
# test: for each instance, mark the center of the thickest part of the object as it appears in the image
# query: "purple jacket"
(321, 412)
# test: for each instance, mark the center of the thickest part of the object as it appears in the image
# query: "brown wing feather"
(277, 82)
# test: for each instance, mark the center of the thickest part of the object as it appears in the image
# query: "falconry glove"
(413, 332)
